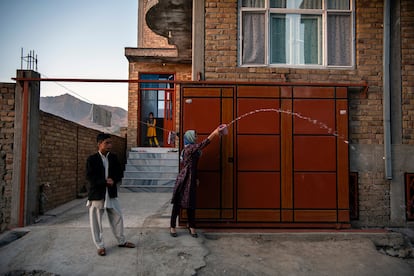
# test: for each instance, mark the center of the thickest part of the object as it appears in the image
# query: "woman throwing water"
(184, 194)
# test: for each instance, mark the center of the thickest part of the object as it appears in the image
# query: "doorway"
(157, 98)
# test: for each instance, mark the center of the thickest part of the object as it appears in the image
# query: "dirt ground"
(60, 244)
(262, 255)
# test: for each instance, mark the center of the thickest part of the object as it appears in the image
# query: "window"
(300, 33)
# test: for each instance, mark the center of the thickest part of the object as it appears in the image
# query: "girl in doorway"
(152, 131)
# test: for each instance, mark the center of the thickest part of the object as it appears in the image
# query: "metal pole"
(23, 168)
(386, 92)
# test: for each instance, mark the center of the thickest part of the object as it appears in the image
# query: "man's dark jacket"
(95, 174)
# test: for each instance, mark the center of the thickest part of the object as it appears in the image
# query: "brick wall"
(64, 147)
(407, 51)
(6, 151)
(366, 114)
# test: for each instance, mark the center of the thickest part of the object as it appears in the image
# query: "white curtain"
(339, 40)
(253, 38)
(339, 33)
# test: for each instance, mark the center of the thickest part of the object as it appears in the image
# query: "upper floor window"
(300, 33)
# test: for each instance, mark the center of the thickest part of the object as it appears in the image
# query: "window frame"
(324, 13)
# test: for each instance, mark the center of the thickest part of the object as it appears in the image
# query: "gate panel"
(315, 191)
(258, 153)
(314, 153)
(315, 116)
(260, 122)
(203, 109)
(227, 160)
(342, 157)
(202, 114)
(287, 157)
(258, 190)
(208, 191)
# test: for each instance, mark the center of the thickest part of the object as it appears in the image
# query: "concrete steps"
(151, 169)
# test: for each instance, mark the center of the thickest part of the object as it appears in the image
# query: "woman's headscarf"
(189, 137)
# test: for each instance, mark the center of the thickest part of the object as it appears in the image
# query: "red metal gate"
(284, 163)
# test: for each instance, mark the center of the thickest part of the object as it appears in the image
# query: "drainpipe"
(386, 91)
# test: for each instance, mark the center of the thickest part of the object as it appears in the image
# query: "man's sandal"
(101, 252)
(127, 245)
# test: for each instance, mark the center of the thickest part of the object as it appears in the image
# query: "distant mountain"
(78, 111)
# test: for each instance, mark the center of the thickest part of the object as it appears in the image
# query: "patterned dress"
(184, 193)
(151, 131)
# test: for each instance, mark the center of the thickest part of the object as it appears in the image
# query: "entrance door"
(157, 98)
(284, 162)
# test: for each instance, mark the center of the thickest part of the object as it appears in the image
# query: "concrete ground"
(61, 244)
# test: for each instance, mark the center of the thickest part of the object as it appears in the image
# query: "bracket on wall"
(409, 195)
(353, 196)
(362, 89)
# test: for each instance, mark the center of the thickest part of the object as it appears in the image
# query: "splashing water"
(298, 115)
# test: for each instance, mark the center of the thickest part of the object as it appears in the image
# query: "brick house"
(336, 147)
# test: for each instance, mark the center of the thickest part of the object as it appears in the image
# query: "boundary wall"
(62, 152)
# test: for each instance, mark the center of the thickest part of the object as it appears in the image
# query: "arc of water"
(298, 115)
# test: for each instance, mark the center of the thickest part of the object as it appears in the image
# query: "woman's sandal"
(194, 235)
(173, 234)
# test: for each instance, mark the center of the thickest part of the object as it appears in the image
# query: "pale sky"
(72, 39)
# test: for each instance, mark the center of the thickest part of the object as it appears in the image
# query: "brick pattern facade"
(407, 52)
(6, 151)
(64, 147)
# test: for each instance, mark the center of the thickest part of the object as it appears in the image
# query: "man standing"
(103, 171)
